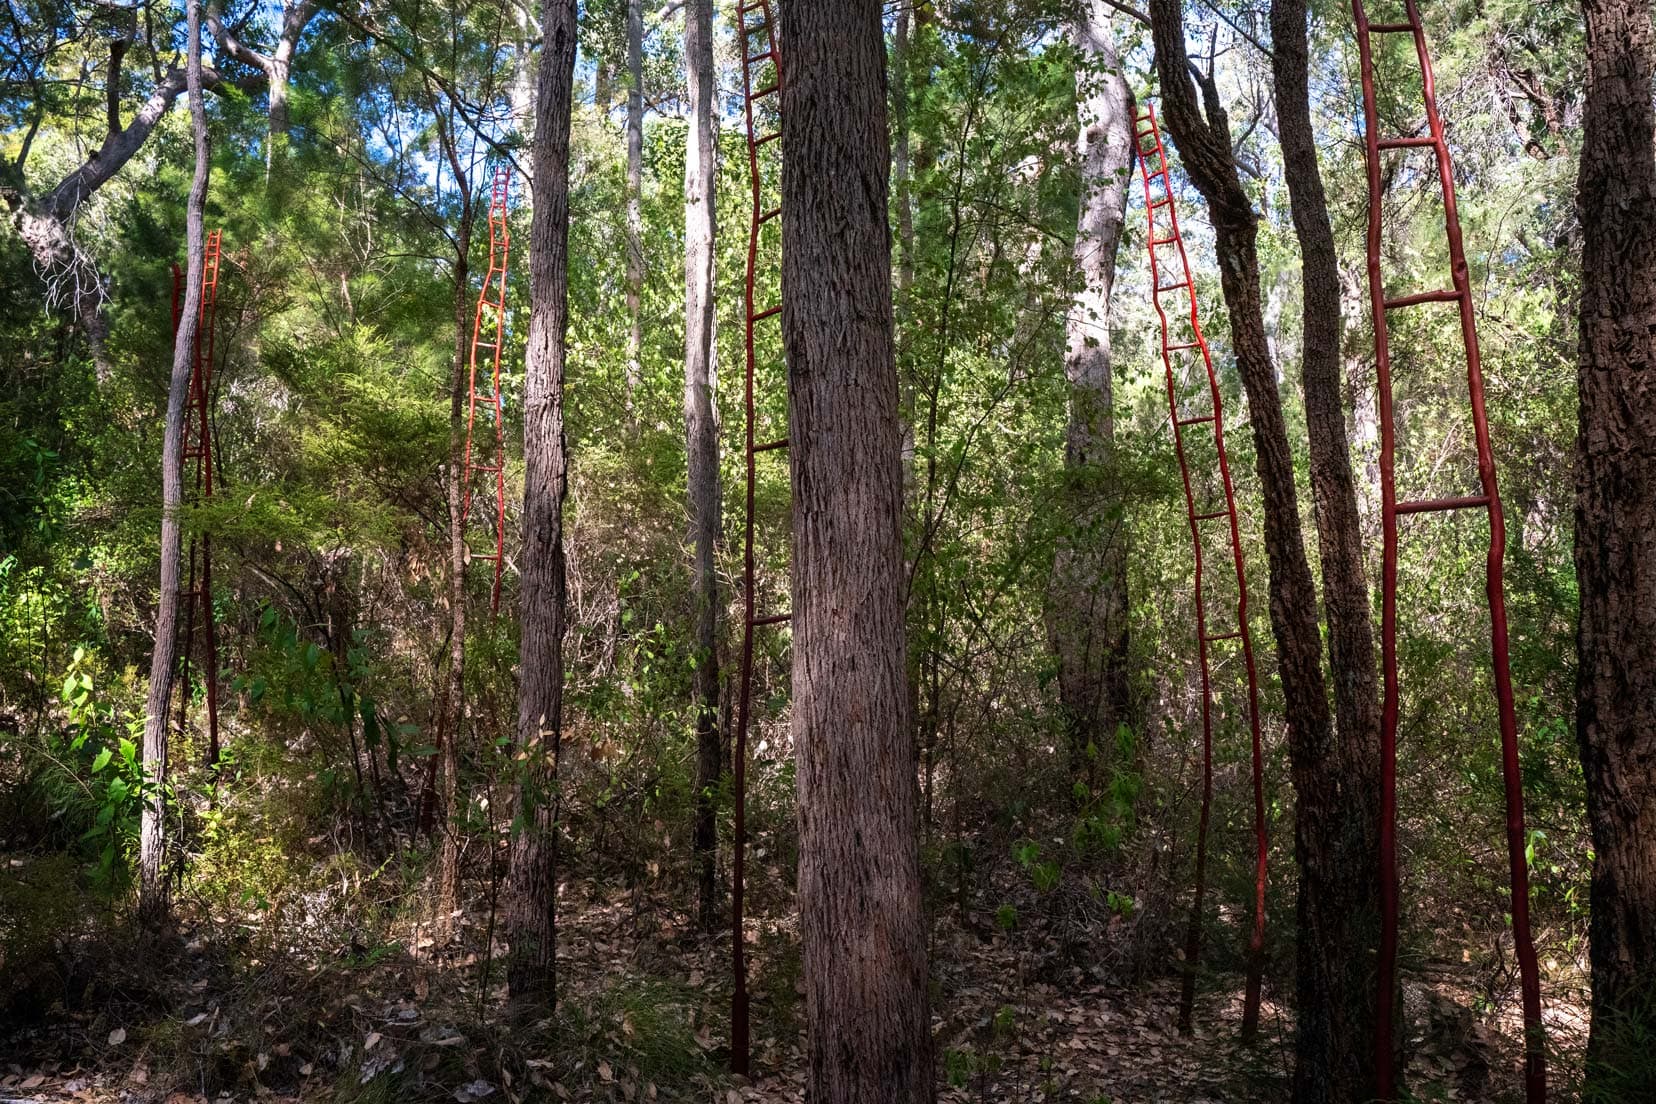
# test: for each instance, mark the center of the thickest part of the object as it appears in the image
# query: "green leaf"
(102, 760)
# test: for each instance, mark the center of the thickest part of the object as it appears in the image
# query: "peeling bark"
(1086, 604)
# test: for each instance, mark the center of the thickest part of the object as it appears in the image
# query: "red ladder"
(1535, 1076)
(1158, 196)
(753, 65)
(488, 333)
(199, 441)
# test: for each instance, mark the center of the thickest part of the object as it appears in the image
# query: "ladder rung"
(1391, 28)
(1185, 345)
(470, 555)
(1430, 505)
(765, 91)
(764, 314)
(1223, 636)
(1407, 143)
(771, 446)
(760, 57)
(1163, 241)
(771, 137)
(486, 468)
(1195, 421)
(1448, 295)
(1172, 287)
(773, 619)
(1213, 514)
(1162, 202)
(770, 214)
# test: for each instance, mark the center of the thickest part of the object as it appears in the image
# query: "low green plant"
(99, 753)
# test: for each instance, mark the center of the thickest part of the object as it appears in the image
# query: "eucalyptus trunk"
(529, 906)
(862, 923)
(635, 199)
(701, 428)
(452, 702)
(1336, 782)
(1086, 601)
(1615, 550)
(153, 903)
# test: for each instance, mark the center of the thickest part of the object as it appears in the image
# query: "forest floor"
(235, 1016)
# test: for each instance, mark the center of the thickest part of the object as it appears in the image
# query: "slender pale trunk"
(1337, 782)
(1086, 605)
(861, 918)
(1615, 551)
(701, 429)
(453, 704)
(635, 198)
(529, 906)
(900, 157)
(153, 905)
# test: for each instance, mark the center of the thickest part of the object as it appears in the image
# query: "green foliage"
(90, 774)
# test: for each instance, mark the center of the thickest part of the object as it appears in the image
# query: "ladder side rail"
(1243, 632)
(740, 1041)
(1535, 1075)
(1193, 934)
(1534, 1066)
(1256, 938)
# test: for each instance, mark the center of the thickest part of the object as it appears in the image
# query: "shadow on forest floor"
(234, 1016)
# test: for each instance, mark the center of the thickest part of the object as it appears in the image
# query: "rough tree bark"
(701, 429)
(1337, 781)
(1086, 602)
(1202, 134)
(529, 906)
(635, 198)
(153, 905)
(861, 920)
(1615, 523)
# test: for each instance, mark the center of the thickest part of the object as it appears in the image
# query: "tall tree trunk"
(861, 921)
(530, 906)
(635, 198)
(1205, 147)
(153, 905)
(453, 704)
(1615, 551)
(701, 428)
(1337, 782)
(1086, 604)
(900, 157)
